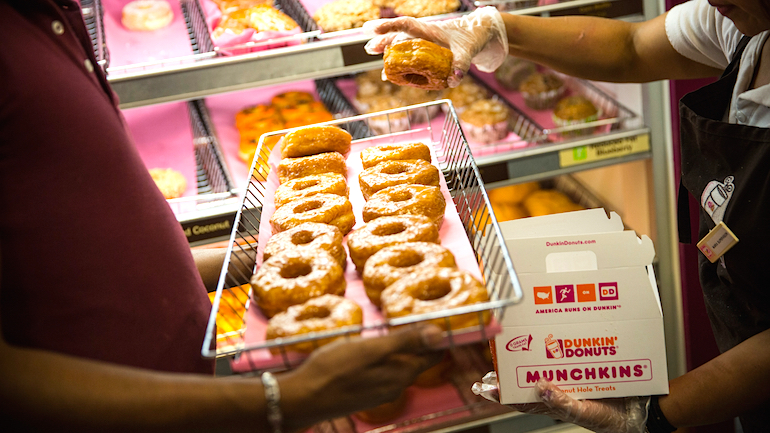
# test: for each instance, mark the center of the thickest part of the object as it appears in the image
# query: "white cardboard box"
(590, 320)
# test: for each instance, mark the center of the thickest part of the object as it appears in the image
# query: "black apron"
(726, 167)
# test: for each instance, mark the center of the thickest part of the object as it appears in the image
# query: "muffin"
(392, 122)
(541, 90)
(465, 94)
(412, 95)
(485, 121)
(574, 110)
(513, 72)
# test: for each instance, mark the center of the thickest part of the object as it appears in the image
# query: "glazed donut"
(329, 162)
(146, 15)
(384, 412)
(436, 289)
(389, 173)
(315, 315)
(406, 200)
(330, 209)
(308, 236)
(386, 231)
(392, 263)
(327, 183)
(374, 155)
(292, 277)
(312, 140)
(418, 63)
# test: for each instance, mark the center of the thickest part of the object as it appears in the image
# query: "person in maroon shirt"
(103, 307)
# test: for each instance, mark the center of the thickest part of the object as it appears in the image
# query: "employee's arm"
(209, 263)
(735, 382)
(601, 49)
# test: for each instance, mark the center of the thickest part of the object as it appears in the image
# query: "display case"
(633, 144)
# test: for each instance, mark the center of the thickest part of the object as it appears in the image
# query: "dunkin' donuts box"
(590, 320)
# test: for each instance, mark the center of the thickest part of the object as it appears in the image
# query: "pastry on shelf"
(541, 90)
(466, 94)
(485, 121)
(261, 18)
(345, 14)
(414, 95)
(391, 122)
(425, 8)
(549, 201)
(146, 15)
(171, 183)
(513, 72)
(575, 110)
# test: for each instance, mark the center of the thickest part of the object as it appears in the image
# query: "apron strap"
(683, 201)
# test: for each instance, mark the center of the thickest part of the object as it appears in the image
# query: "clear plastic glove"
(611, 415)
(478, 38)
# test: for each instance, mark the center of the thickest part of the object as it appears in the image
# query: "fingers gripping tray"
(237, 327)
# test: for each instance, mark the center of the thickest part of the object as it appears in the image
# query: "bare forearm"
(600, 49)
(209, 263)
(47, 389)
(733, 383)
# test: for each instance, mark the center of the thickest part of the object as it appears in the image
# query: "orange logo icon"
(543, 295)
(586, 293)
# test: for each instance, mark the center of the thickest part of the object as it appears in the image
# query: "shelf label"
(208, 228)
(607, 150)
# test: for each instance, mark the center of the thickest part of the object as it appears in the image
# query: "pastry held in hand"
(418, 63)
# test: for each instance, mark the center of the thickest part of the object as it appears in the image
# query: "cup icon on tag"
(553, 347)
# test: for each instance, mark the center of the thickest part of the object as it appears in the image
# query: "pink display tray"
(129, 47)
(164, 138)
(509, 143)
(452, 234)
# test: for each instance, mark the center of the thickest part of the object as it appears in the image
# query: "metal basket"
(466, 188)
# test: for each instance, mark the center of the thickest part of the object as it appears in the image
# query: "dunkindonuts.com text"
(563, 243)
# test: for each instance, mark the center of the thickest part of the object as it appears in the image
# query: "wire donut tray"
(232, 326)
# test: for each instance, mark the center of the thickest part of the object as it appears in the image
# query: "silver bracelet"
(273, 400)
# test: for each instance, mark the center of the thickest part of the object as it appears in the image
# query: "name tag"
(717, 242)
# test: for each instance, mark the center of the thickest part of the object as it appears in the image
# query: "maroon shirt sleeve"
(94, 263)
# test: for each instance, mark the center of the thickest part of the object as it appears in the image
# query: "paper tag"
(717, 242)
(605, 150)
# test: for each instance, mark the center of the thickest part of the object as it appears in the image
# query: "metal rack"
(93, 16)
(471, 202)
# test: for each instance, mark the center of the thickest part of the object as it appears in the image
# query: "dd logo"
(608, 291)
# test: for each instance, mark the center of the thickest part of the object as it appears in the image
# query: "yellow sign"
(605, 150)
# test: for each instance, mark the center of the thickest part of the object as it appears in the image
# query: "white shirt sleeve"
(699, 32)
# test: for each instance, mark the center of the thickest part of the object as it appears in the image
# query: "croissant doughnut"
(418, 63)
(308, 236)
(392, 263)
(313, 140)
(292, 277)
(406, 200)
(386, 231)
(327, 183)
(436, 289)
(390, 173)
(374, 155)
(330, 209)
(316, 315)
(329, 162)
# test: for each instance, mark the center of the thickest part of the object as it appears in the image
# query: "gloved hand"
(611, 415)
(479, 38)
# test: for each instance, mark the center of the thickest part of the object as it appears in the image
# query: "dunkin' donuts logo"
(579, 347)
